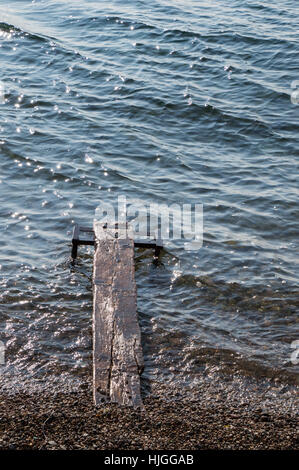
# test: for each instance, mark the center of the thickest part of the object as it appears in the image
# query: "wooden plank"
(117, 352)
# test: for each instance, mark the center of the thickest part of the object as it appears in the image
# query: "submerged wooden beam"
(117, 352)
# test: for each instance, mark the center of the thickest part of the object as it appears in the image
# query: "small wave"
(8, 28)
(253, 298)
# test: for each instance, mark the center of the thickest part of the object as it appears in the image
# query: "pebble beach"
(70, 421)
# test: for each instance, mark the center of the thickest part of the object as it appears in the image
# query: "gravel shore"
(70, 421)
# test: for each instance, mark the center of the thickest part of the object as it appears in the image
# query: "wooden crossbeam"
(117, 352)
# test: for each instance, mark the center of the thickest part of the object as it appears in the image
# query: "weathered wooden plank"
(117, 352)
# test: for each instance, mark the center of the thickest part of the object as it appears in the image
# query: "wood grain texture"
(117, 352)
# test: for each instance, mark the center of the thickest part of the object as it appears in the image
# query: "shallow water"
(171, 102)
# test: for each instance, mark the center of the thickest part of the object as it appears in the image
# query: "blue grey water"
(184, 101)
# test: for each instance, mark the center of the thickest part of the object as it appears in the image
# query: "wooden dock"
(117, 352)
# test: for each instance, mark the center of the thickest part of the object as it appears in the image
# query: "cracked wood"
(117, 352)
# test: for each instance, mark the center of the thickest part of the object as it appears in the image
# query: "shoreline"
(69, 421)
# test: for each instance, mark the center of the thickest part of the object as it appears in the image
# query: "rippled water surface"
(166, 101)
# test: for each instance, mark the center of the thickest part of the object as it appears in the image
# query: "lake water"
(169, 102)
